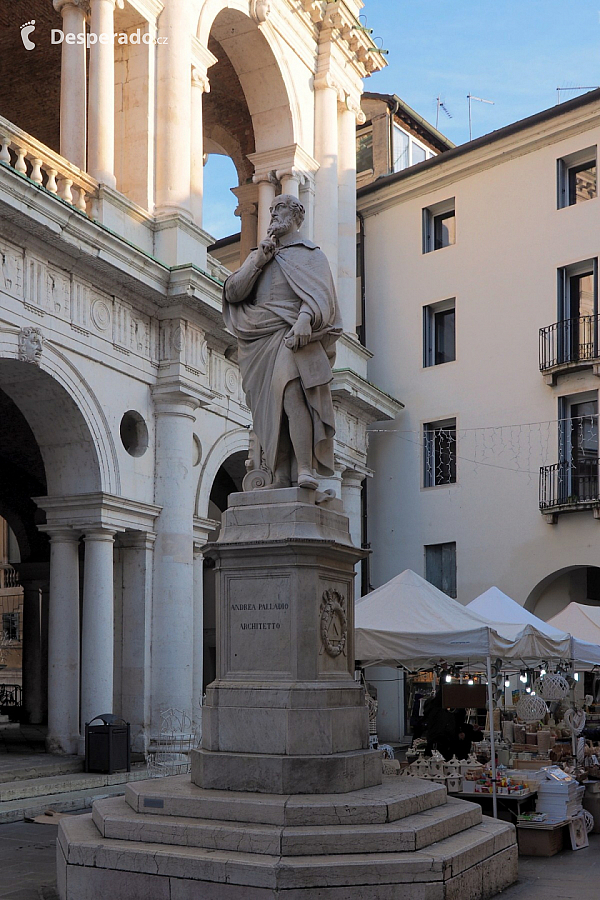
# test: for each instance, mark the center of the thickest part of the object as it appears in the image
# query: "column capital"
(139, 540)
(200, 79)
(98, 533)
(326, 81)
(174, 400)
(61, 534)
(246, 209)
(269, 177)
(353, 477)
(83, 5)
(292, 173)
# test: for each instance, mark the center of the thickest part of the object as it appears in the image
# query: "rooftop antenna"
(480, 100)
(440, 105)
(592, 87)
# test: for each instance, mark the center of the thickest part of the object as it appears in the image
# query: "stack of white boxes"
(560, 799)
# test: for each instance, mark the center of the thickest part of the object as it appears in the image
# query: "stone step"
(71, 801)
(394, 799)
(487, 850)
(115, 820)
(60, 784)
(66, 800)
(22, 767)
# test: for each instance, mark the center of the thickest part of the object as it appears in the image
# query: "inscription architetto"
(259, 628)
(259, 607)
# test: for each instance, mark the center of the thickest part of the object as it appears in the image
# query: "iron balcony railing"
(569, 341)
(569, 484)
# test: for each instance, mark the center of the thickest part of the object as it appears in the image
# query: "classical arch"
(228, 444)
(66, 418)
(259, 63)
(579, 583)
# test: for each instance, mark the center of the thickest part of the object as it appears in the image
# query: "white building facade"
(482, 309)
(124, 421)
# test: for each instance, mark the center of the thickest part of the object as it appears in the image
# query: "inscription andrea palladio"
(261, 624)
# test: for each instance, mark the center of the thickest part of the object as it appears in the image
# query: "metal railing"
(569, 341)
(569, 483)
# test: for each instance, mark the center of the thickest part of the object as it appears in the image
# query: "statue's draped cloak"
(303, 282)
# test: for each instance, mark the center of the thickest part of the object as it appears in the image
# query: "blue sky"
(514, 53)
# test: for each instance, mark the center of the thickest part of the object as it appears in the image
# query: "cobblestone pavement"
(27, 869)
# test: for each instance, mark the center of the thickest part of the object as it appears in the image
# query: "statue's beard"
(278, 230)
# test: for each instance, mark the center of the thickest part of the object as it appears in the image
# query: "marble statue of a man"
(281, 306)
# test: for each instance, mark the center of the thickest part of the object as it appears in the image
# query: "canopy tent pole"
(492, 736)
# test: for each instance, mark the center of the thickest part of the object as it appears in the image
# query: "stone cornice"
(445, 170)
(81, 512)
(362, 398)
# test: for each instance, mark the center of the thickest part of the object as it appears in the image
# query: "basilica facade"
(124, 423)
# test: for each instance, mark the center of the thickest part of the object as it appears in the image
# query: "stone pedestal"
(285, 802)
(285, 714)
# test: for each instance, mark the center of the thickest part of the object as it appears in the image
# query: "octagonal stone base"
(170, 840)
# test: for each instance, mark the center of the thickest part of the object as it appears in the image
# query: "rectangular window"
(364, 150)
(439, 439)
(439, 324)
(419, 153)
(440, 567)
(578, 448)
(577, 327)
(400, 149)
(577, 177)
(10, 626)
(439, 226)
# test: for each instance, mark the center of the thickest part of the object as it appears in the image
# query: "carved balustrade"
(32, 159)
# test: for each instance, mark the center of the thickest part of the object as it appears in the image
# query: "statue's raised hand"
(264, 252)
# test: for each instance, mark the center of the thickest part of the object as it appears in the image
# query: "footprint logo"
(27, 29)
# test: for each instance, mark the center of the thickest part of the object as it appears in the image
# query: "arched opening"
(573, 584)
(247, 113)
(228, 480)
(48, 452)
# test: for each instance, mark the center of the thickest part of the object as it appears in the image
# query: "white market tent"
(568, 642)
(410, 622)
(496, 605)
(583, 622)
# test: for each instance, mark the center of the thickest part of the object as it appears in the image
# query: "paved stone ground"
(27, 869)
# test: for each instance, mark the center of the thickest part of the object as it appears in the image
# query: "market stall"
(410, 623)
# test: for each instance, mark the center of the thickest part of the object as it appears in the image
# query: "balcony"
(569, 486)
(569, 345)
(41, 165)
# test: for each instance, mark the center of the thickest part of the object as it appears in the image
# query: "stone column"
(173, 603)
(198, 635)
(97, 632)
(266, 195)
(72, 84)
(326, 178)
(290, 181)
(247, 210)
(173, 103)
(63, 642)
(101, 131)
(352, 500)
(137, 559)
(33, 699)
(200, 85)
(346, 283)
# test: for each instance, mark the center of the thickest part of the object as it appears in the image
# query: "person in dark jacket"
(466, 734)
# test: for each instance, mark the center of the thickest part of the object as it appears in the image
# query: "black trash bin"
(107, 746)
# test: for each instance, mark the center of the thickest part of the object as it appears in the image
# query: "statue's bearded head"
(287, 215)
